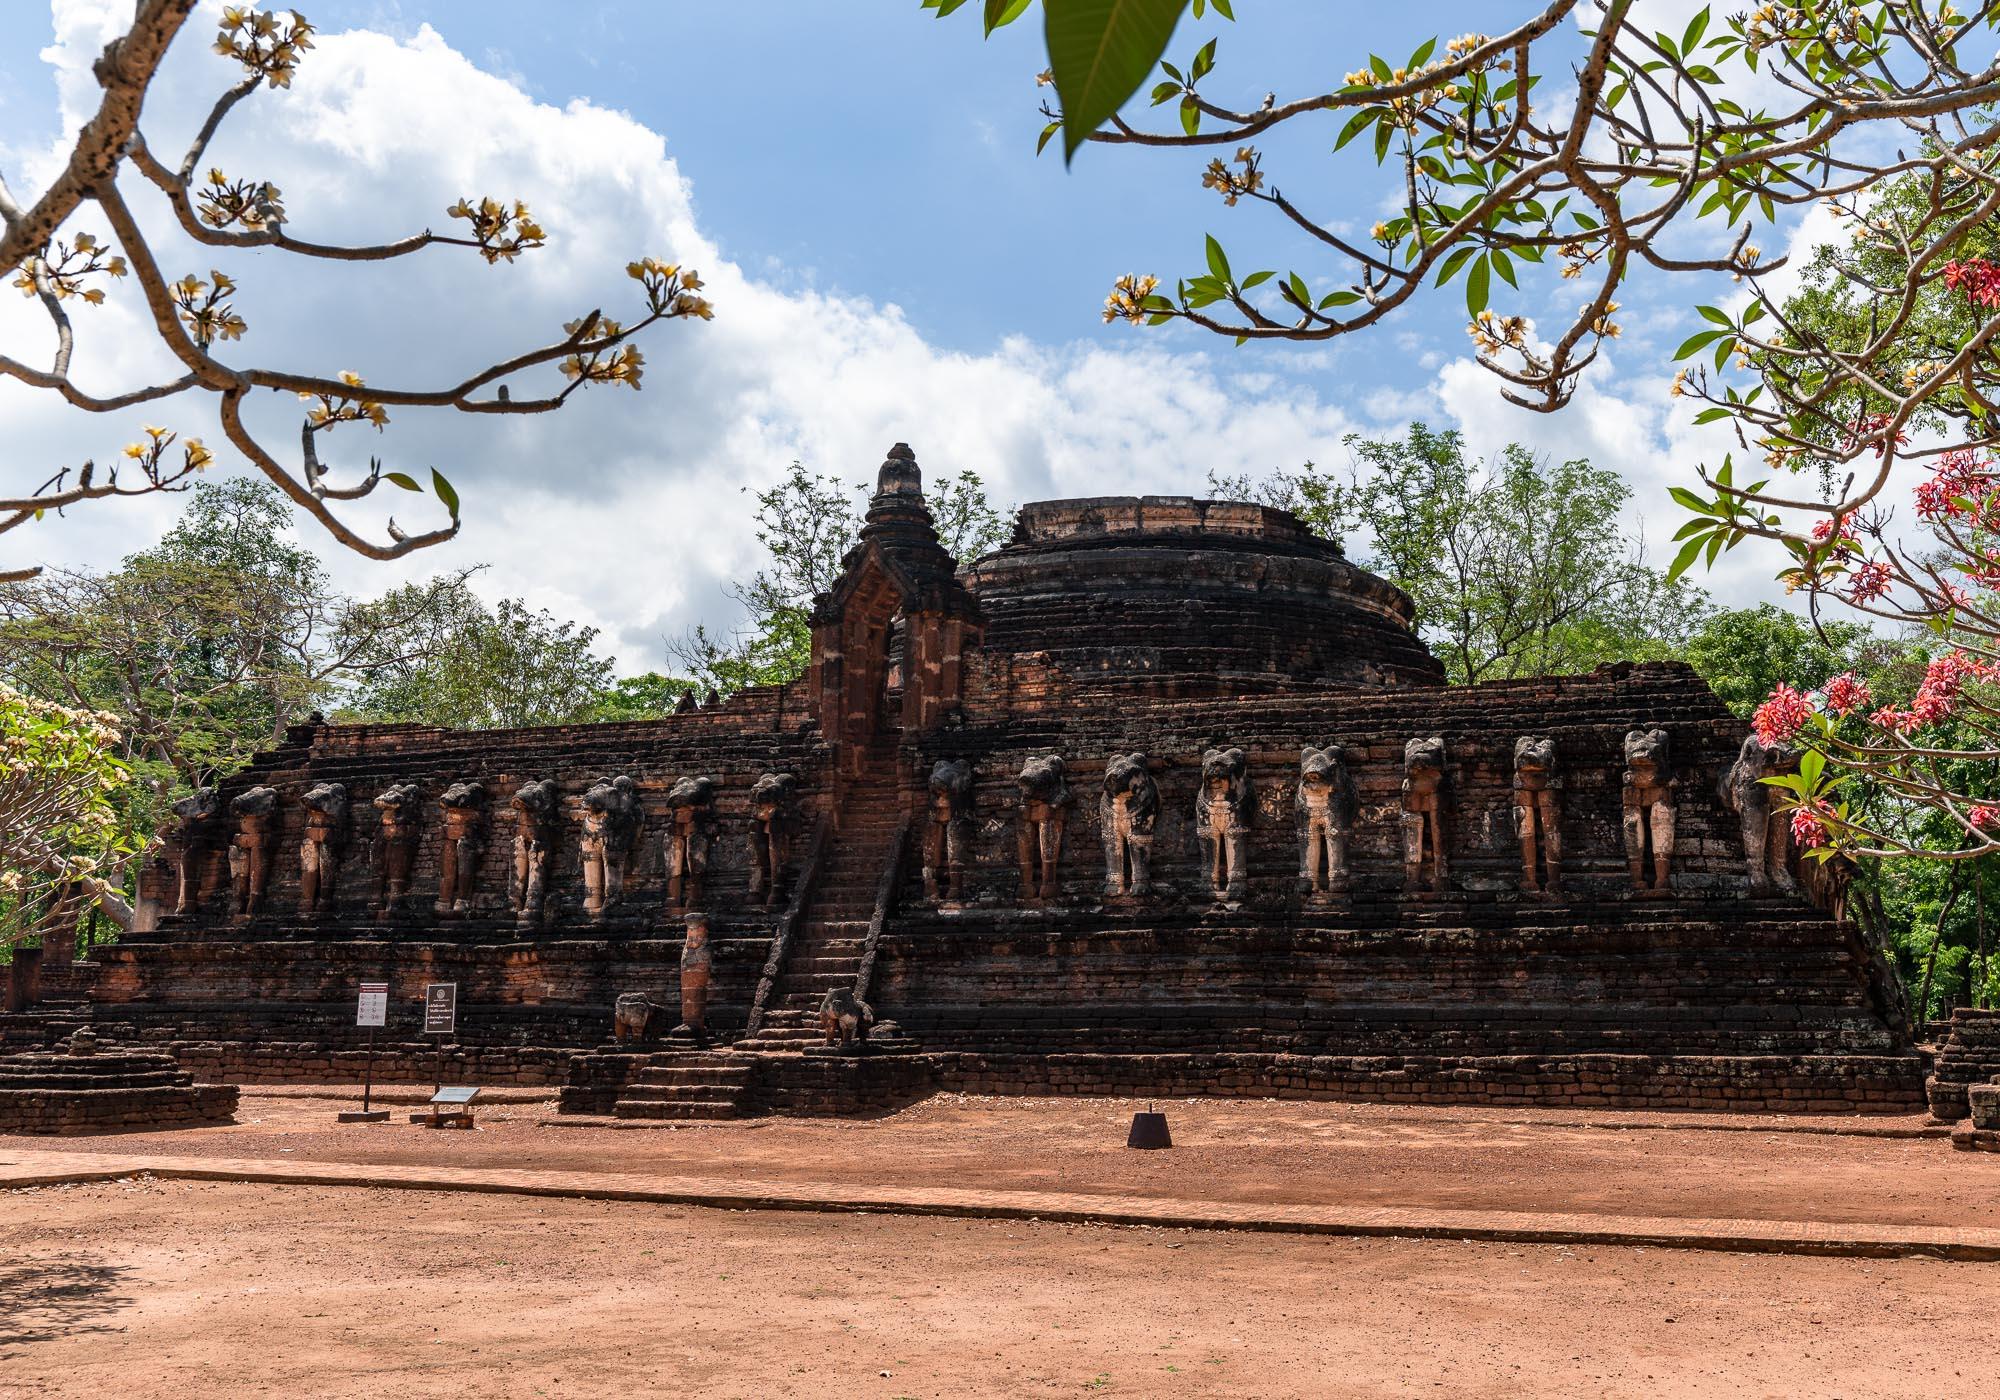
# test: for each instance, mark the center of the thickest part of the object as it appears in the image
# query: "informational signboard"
(440, 1008)
(374, 1006)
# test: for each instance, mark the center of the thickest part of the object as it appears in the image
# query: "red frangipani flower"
(1781, 716)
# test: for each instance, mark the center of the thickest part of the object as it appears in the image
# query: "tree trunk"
(1937, 936)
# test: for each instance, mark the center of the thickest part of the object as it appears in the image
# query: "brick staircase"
(826, 949)
(689, 1085)
(694, 1085)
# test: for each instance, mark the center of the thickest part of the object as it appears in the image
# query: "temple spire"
(899, 475)
(897, 508)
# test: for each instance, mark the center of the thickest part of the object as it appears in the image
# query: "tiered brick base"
(103, 1093)
(1969, 1055)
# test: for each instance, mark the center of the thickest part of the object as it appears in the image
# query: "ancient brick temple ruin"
(1164, 797)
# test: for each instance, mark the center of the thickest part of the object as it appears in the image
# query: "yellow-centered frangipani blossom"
(501, 231)
(264, 44)
(329, 409)
(205, 309)
(1128, 298)
(1231, 184)
(61, 267)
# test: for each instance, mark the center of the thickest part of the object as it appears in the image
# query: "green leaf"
(1695, 342)
(1050, 130)
(1685, 559)
(1338, 299)
(1100, 51)
(1217, 263)
(445, 492)
(1504, 267)
(1204, 62)
(1450, 266)
(1357, 124)
(1296, 285)
(1222, 8)
(1812, 763)
(1476, 286)
(1696, 28)
(1254, 279)
(408, 483)
(1690, 500)
(1710, 313)
(1190, 116)
(999, 12)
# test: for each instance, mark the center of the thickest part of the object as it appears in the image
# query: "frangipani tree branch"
(195, 318)
(1497, 182)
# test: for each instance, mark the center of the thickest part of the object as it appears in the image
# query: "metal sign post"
(371, 1010)
(440, 1018)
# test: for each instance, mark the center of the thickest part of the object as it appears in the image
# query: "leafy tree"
(48, 256)
(480, 668)
(1746, 653)
(647, 696)
(1517, 567)
(966, 520)
(208, 644)
(60, 829)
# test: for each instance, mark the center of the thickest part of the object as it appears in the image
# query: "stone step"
(814, 958)
(798, 991)
(681, 1093)
(683, 1076)
(781, 1037)
(685, 1111)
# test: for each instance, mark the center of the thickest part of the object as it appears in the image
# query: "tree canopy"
(1517, 567)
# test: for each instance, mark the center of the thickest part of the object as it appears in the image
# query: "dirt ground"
(1225, 1150)
(151, 1289)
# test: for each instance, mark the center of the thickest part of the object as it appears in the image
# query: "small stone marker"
(1149, 1130)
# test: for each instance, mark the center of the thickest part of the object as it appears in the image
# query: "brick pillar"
(24, 979)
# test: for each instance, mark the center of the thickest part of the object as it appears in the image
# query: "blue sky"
(908, 267)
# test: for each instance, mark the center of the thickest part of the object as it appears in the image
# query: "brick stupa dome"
(1174, 589)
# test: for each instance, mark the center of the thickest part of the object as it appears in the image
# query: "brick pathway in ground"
(28, 1168)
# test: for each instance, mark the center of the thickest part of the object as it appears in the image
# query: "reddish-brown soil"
(1249, 1151)
(150, 1289)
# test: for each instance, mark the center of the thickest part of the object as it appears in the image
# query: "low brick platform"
(1970, 1055)
(116, 1091)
